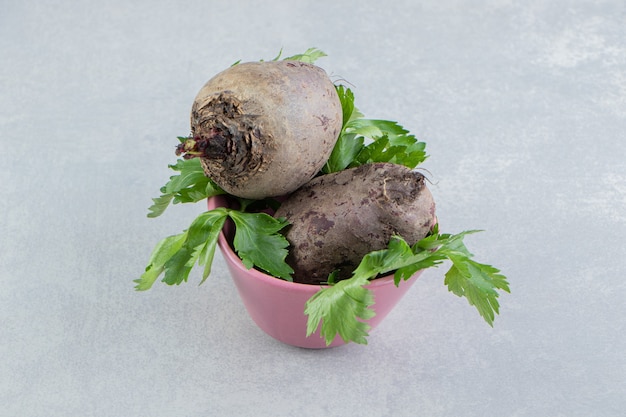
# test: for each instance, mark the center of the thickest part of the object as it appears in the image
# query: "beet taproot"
(263, 129)
(336, 219)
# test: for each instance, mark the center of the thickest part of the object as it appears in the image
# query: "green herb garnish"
(257, 242)
(341, 308)
(364, 141)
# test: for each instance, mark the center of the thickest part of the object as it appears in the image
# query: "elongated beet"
(338, 218)
(264, 129)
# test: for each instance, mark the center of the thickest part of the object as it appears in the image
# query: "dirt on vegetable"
(337, 218)
(263, 129)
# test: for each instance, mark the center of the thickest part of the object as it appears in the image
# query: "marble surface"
(523, 107)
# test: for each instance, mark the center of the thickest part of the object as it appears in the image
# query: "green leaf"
(159, 205)
(178, 267)
(390, 142)
(397, 254)
(349, 111)
(258, 243)
(162, 252)
(309, 56)
(175, 256)
(478, 283)
(341, 309)
(189, 186)
(345, 151)
(201, 239)
(277, 57)
(348, 145)
(190, 174)
(207, 253)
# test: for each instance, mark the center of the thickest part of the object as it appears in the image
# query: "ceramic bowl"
(277, 306)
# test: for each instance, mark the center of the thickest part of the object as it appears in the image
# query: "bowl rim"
(233, 259)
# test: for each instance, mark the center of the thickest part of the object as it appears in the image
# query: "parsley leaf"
(348, 145)
(309, 56)
(346, 98)
(189, 186)
(257, 241)
(341, 308)
(162, 252)
(478, 283)
(390, 143)
(344, 152)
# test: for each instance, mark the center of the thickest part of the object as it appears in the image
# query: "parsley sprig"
(257, 241)
(341, 309)
(387, 141)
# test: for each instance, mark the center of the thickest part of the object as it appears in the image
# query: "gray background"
(522, 105)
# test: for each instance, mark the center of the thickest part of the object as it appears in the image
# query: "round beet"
(263, 129)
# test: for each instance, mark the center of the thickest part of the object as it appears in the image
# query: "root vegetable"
(263, 129)
(338, 218)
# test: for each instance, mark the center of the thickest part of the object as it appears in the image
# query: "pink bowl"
(277, 306)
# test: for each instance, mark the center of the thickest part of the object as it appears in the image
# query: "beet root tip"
(213, 146)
